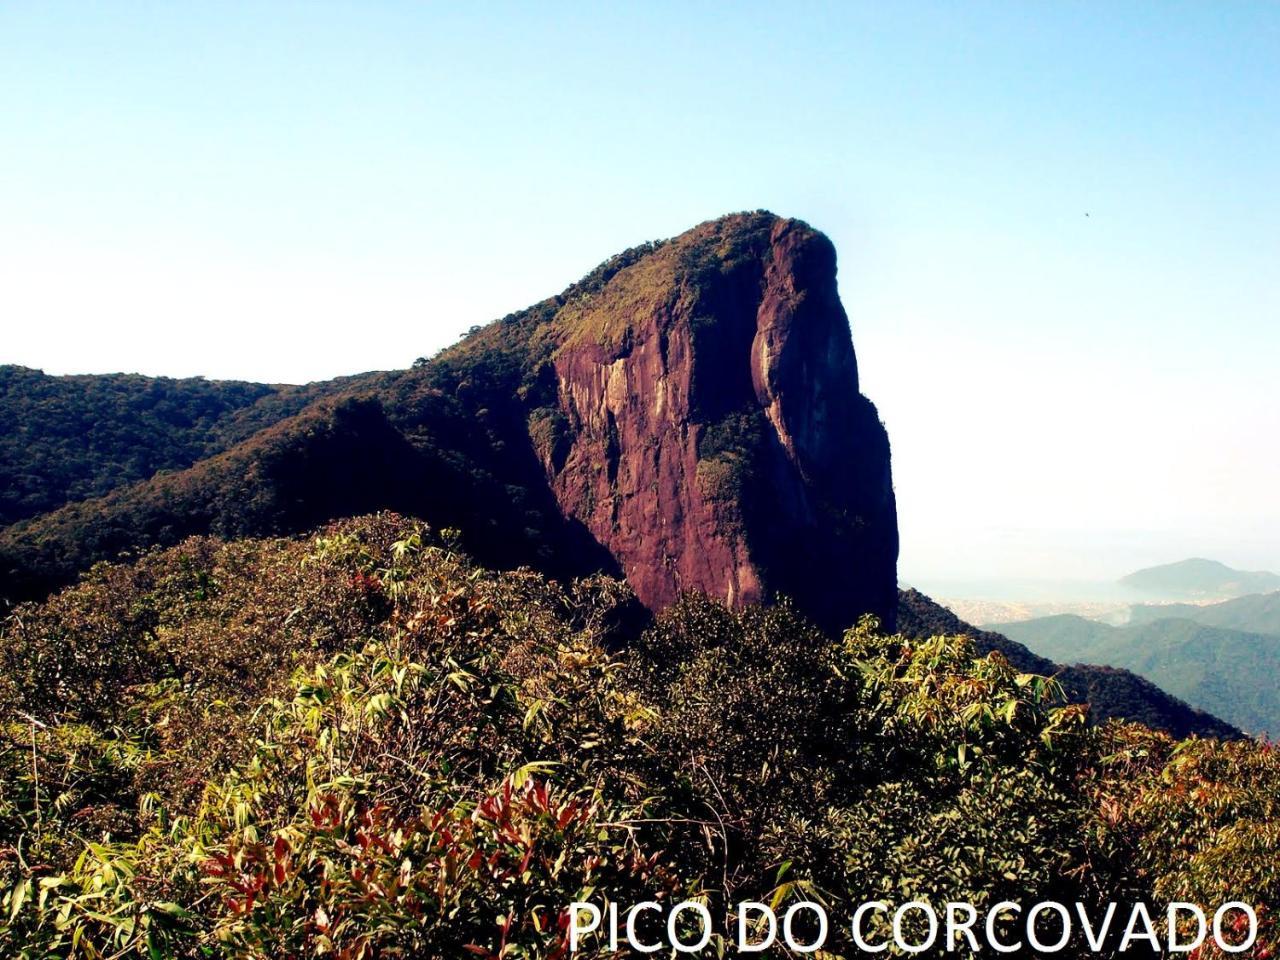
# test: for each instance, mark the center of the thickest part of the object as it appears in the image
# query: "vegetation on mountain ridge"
(461, 460)
(74, 437)
(1112, 692)
(1253, 613)
(1229, 672)
(361, 744)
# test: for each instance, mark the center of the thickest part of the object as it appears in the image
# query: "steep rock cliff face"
(717, 438)
(687, 415)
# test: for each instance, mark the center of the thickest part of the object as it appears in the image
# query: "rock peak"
(720, 442)
(688, 415)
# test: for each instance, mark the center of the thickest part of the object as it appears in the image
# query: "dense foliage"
(71, 438)
(1112, 692)
(360, 744)
(387, 441)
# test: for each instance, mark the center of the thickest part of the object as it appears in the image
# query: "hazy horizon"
(1056, 226)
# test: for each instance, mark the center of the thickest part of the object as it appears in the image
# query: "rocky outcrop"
(687, 415)
(717, 440)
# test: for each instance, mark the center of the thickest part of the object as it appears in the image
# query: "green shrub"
(360, 744)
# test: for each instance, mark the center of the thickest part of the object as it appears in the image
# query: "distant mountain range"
(1222, 657)
(1228, 671)
(1187, 583)
(1199, 579)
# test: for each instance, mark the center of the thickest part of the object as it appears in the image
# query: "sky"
(1056, 223)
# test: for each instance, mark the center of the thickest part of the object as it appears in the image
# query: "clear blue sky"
(290, 191)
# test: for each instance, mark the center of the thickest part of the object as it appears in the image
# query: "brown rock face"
(718, 439)
(688, 414)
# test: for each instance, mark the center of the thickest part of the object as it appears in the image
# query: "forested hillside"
(1111, 691)
(341, 456)
(1256, 613)
(361, 744)
(1228, 672)
(72, 438)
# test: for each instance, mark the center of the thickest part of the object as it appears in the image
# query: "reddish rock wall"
(719, 439)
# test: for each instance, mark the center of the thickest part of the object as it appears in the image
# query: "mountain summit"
(713, 435)
(688, 415)
(1199, 578)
